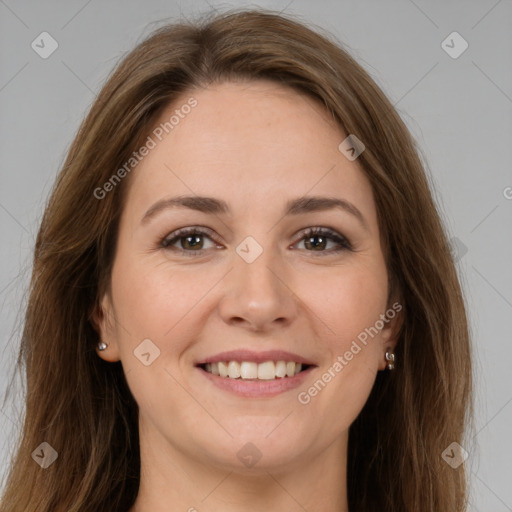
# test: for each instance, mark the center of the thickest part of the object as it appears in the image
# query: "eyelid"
(174, 236)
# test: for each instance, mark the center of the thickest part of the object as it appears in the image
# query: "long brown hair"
(82, 406)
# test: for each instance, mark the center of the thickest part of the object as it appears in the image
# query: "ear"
(102, 319)
(391, 331)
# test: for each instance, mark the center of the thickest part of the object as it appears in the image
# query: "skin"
(250, 144)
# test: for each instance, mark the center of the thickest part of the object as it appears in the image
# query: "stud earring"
(102, 346)
(390, 358)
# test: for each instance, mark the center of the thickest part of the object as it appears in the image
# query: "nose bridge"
(256, 268)
(257, 291)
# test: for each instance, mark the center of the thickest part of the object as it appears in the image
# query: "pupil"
(196, 239)
(318, 245)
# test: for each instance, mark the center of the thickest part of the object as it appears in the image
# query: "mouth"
(256, 374)
(251, 370)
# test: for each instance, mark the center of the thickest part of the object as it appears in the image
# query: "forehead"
(251, 144)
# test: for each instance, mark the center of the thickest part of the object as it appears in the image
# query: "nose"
(259, 295)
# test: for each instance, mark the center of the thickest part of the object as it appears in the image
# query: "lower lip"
(257, 388)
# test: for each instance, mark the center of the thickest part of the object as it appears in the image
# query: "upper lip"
(257, 357)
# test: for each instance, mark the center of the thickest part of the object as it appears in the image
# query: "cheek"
(157, 300)
(348, 303)
(347, 310)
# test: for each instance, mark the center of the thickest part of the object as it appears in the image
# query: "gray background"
(459, 110)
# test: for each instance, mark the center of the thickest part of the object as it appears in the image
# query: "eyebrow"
(211, 205)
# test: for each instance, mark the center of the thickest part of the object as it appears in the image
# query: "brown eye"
(190, 240)
(317, 239)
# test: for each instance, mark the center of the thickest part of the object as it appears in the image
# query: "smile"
(255, 374)
(251, 370)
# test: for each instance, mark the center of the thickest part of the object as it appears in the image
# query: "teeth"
(269, 370)
(281, 369)
(248, 370)
(223, 369)
(233, 370)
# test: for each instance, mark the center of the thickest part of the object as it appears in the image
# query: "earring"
(102, 345)
(390, 358)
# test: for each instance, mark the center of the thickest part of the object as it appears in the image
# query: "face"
(256, 280)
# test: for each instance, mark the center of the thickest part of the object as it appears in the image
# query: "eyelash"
(308, 233)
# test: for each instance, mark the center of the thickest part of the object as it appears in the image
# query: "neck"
(172, 480)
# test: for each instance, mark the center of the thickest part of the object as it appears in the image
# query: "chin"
(256, 445)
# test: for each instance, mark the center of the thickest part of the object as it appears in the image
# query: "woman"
(243, 297)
